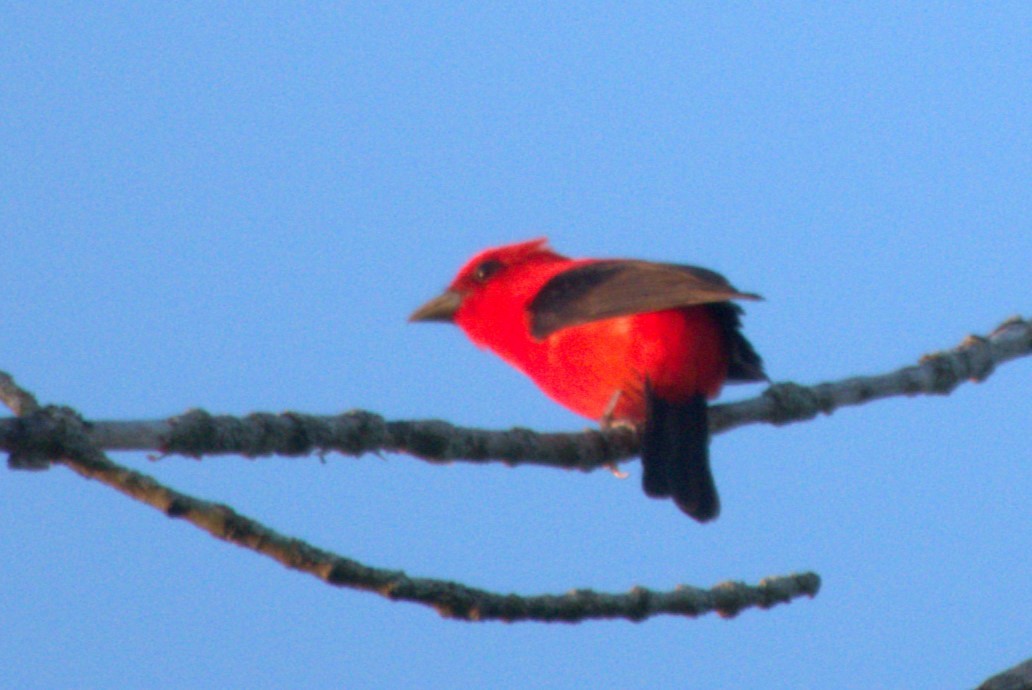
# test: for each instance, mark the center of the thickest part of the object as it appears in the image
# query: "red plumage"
(613, 340)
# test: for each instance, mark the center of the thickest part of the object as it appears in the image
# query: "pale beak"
(440, 308)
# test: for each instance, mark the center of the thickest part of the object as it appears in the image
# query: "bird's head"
(489, 269)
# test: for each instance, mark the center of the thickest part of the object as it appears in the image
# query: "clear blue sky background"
(236, 207)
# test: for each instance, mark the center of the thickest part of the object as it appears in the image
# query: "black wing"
(607, 289)
(743, 362)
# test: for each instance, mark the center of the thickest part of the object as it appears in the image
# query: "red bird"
(614, 340)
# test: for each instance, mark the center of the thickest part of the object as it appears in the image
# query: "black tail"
(675, 455)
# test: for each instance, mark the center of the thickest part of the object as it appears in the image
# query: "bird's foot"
(606, 422)
(616, 471)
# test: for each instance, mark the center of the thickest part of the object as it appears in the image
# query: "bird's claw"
(616, 471)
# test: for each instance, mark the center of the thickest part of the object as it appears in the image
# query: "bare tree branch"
(1017, 678)
(58, 434)
(198, 433)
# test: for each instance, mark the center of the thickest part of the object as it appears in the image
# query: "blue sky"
(236, 208)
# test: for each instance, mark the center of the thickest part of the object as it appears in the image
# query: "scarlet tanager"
(616, 341)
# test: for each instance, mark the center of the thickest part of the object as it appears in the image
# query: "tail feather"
(675, 455)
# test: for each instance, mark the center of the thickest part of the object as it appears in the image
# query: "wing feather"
(607, 289)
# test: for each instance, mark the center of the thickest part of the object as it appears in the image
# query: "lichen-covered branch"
(198, 433)
(58, 434)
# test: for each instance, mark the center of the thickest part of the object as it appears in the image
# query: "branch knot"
(791, 402)
(44, 435)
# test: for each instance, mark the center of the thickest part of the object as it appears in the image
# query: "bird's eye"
(487, 269)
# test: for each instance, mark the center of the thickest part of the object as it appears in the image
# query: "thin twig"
(1017, 678)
